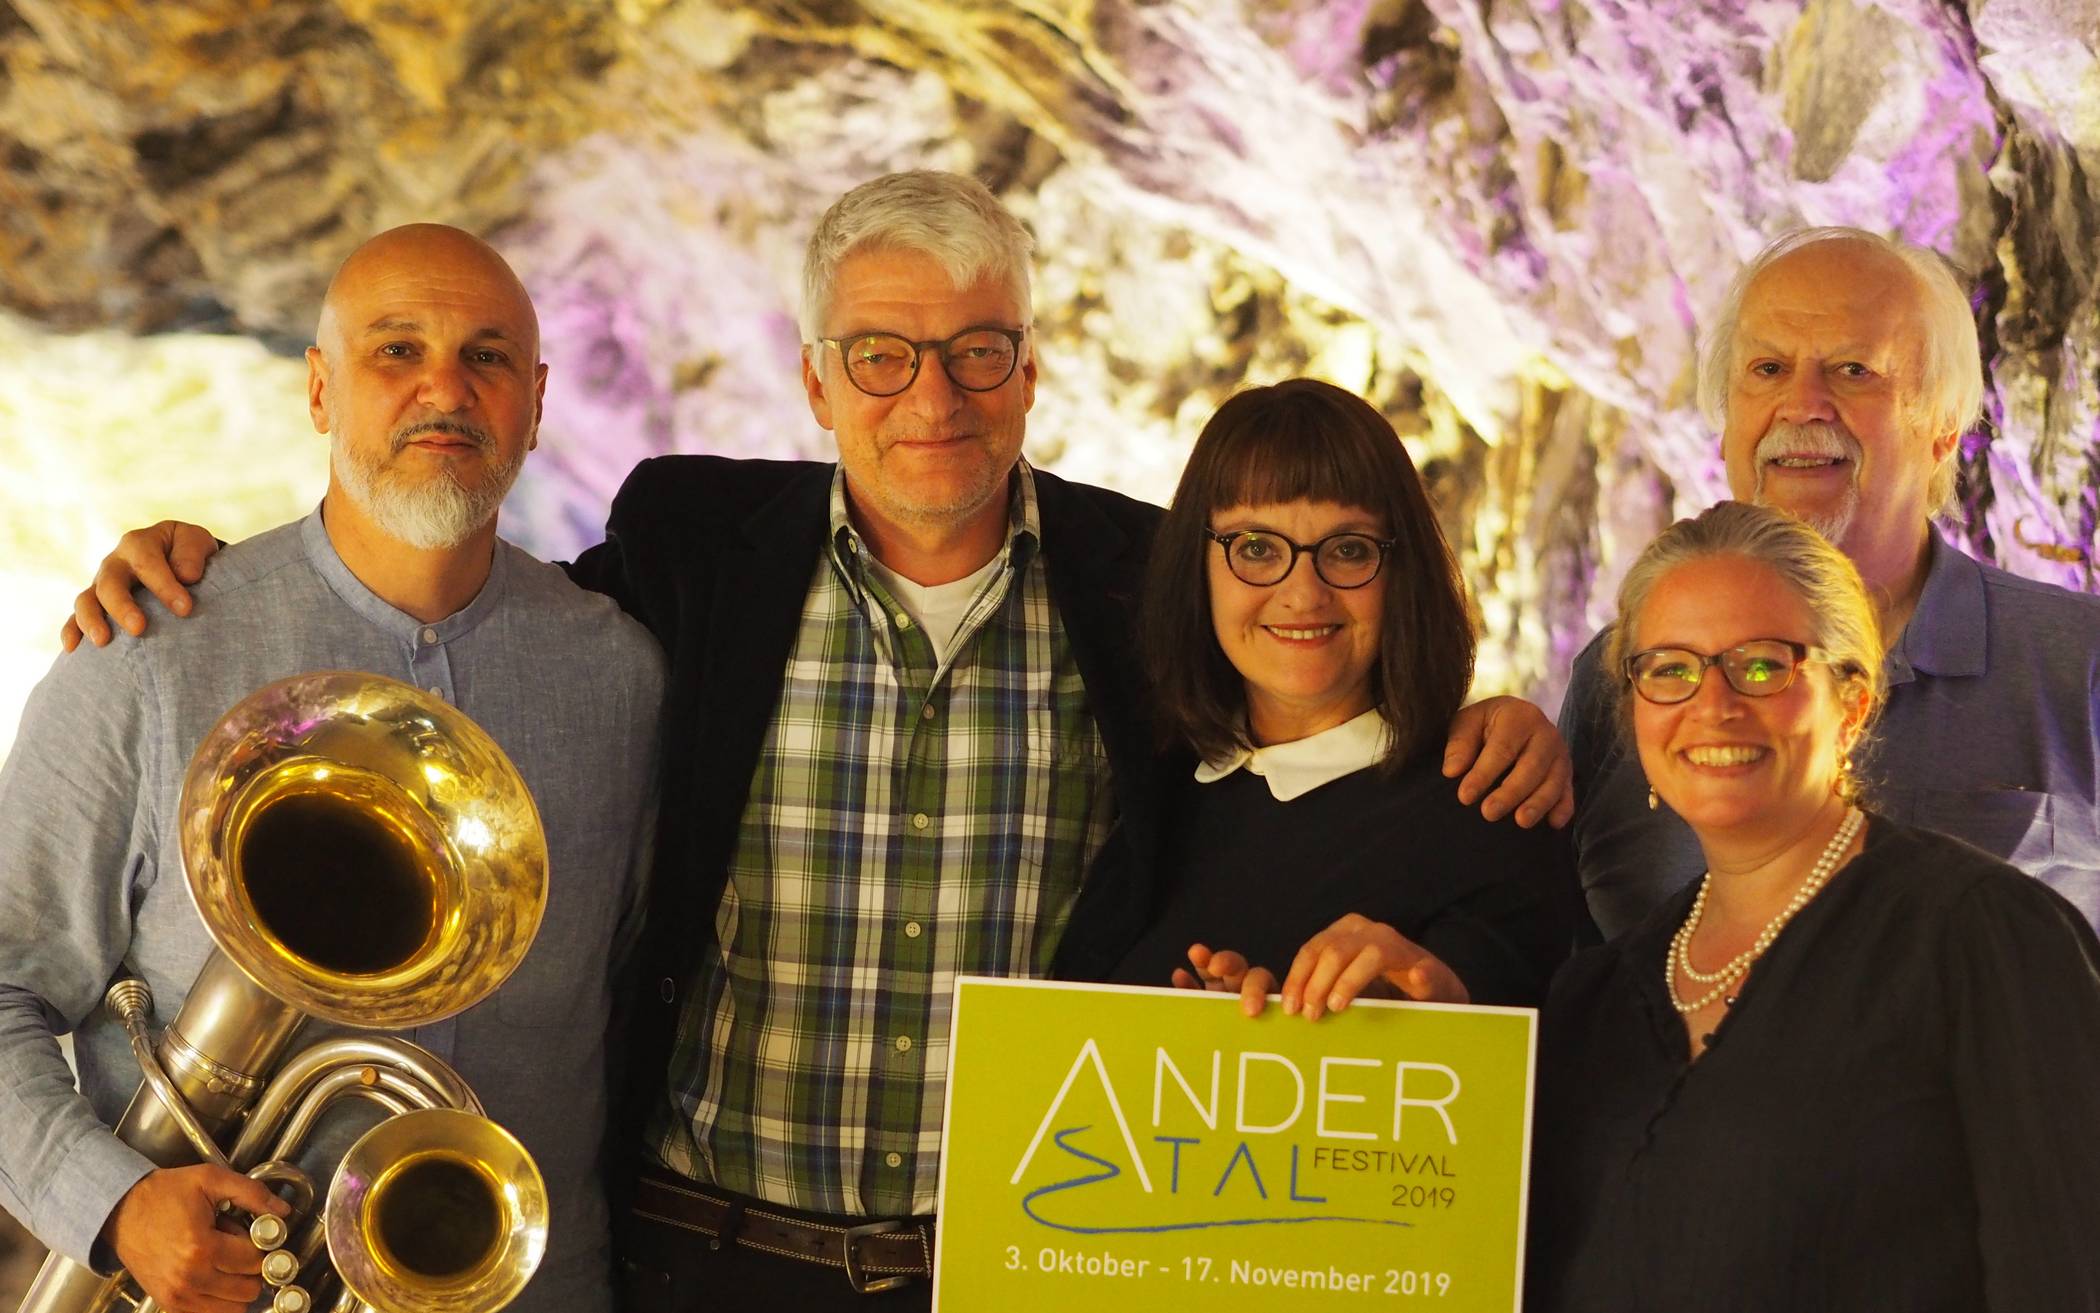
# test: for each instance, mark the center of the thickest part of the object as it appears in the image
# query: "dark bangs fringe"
(1283, 451)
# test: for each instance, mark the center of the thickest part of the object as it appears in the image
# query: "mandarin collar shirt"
(91, 878)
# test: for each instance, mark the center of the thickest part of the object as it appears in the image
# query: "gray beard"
(432, 515)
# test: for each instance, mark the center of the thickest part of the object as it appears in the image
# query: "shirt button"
(429, 635)
(903, 620)
(894, 1159)
(927, 712)
(435, 691)
(666, 989)
(912, 929)
(921, 821)
(904, 1044)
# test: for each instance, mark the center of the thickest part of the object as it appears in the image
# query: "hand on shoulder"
(162, 558)
(1510, 758)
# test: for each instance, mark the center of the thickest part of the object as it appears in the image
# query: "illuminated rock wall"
(1505, 223)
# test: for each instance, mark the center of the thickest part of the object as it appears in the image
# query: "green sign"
(1110, 1149)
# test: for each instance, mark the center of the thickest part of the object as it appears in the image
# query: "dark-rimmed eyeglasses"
(885, 364)
(1265, 558)
(1756, 669)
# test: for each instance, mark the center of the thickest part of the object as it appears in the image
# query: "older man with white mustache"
(1843, 370)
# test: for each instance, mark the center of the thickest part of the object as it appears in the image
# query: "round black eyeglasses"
(1265, 558)
(885, 364)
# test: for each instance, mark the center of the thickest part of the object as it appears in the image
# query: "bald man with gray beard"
(426, 378)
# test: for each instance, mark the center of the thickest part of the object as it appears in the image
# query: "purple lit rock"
(1506, 223)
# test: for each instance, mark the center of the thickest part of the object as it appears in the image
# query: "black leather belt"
(876, 1256)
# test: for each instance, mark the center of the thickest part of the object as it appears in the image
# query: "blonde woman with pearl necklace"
(1857, 1065)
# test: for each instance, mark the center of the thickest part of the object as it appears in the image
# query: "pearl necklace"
(1679, 957)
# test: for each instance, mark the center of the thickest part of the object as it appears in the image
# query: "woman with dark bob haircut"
(1306, 633)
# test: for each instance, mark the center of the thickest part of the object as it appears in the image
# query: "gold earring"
(1653, 801)
(1843, 785)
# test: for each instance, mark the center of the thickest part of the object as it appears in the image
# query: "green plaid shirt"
(907, 823)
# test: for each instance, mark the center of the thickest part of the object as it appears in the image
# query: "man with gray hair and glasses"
(1843, 371)
(902, 718)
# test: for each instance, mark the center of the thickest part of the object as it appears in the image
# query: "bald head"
(425, 262)
(426, 374)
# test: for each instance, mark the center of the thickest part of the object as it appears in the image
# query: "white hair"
(955, 220)
(1950, 384)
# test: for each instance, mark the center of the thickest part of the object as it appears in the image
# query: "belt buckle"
(862, 1283)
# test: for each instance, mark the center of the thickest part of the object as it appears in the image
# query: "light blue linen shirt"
(1989, 735)
(91, 879)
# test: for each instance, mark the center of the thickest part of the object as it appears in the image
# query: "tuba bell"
(365, 854)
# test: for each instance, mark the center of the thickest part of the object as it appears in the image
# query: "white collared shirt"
(1297, 768)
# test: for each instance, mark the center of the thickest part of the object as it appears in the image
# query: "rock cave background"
(1505, 221)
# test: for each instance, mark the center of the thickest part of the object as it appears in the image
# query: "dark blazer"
(715, 557)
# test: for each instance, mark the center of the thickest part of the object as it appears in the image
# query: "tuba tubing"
(435, 1085)
(240, 1025)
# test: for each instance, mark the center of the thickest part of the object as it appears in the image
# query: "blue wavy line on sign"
(1109, 1172)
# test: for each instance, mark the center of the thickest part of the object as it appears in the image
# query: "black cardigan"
(1237, 869)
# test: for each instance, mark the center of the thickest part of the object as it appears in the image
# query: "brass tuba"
(363, 853)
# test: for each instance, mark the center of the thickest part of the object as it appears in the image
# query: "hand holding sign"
(1355, 957)
(1227, 972)
(1355, 953)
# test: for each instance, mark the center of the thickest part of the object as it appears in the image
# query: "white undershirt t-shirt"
(937, 609)
(1297, 768)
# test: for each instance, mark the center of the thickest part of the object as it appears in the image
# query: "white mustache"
(1813, 439)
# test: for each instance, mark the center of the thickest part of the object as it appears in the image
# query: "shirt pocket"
(1067, 740)
(1067, 799)
(1065, 778)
